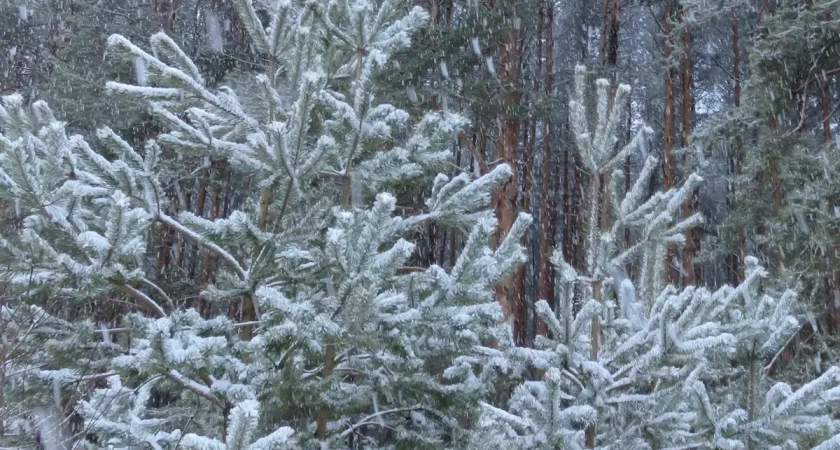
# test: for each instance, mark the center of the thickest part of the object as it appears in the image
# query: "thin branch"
(198, 389)
(144, 299)
(778, 354)
(367, 420)
(227, 257)
(169, 303)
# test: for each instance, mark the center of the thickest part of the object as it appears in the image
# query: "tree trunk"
(608, 55)
(627, 181)
(693, 273)
(595, 190)
(773, 165)
(668, 131)
(548, 229)
(740, 254)
(329, 348)
(525, 205)
(323, 414)
(608, 59)
(504, 198)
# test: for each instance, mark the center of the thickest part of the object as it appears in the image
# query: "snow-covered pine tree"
(650, 366)
(332, 343)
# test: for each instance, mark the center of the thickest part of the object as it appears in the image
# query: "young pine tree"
(330, 342)
(641, 365)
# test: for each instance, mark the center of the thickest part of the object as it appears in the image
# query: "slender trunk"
(573, 182)
(741, 252)
(225, 420)
(568, 219)
(512, 302)
(668, 132)
(323, 414)
(329, 348)
(778, 194)
(693, 273)
(580, 223)
(547, 227)
(773, 165)
(249, 311)
(441, 257)
(591, 253)
(525, 205)
(453, 246)
(608, 58)
(627, 181)
(825, 93)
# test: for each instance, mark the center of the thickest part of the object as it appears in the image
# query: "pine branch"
(144, 300)
(227, 257)
(369, 419)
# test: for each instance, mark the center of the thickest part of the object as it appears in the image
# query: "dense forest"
(420, 224)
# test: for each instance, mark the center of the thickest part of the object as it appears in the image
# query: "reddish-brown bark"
(505, 196)
(548, 226)
(693, 273)
(669, 130)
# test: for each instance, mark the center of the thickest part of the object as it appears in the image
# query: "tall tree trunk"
(548, 228)
(825, 100)
(608, 55)
(530, 144)
(773, 164)
(574, 184)
(668, 131)
(741, 251)
(505, 196)
(693, 273)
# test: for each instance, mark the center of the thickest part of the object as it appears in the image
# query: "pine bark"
(548, 224)
(693, 273)
(669, 130)
(608, 55)
(505, 196)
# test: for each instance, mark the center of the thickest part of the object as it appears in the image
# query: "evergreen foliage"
(338, 331)
(657, 367)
